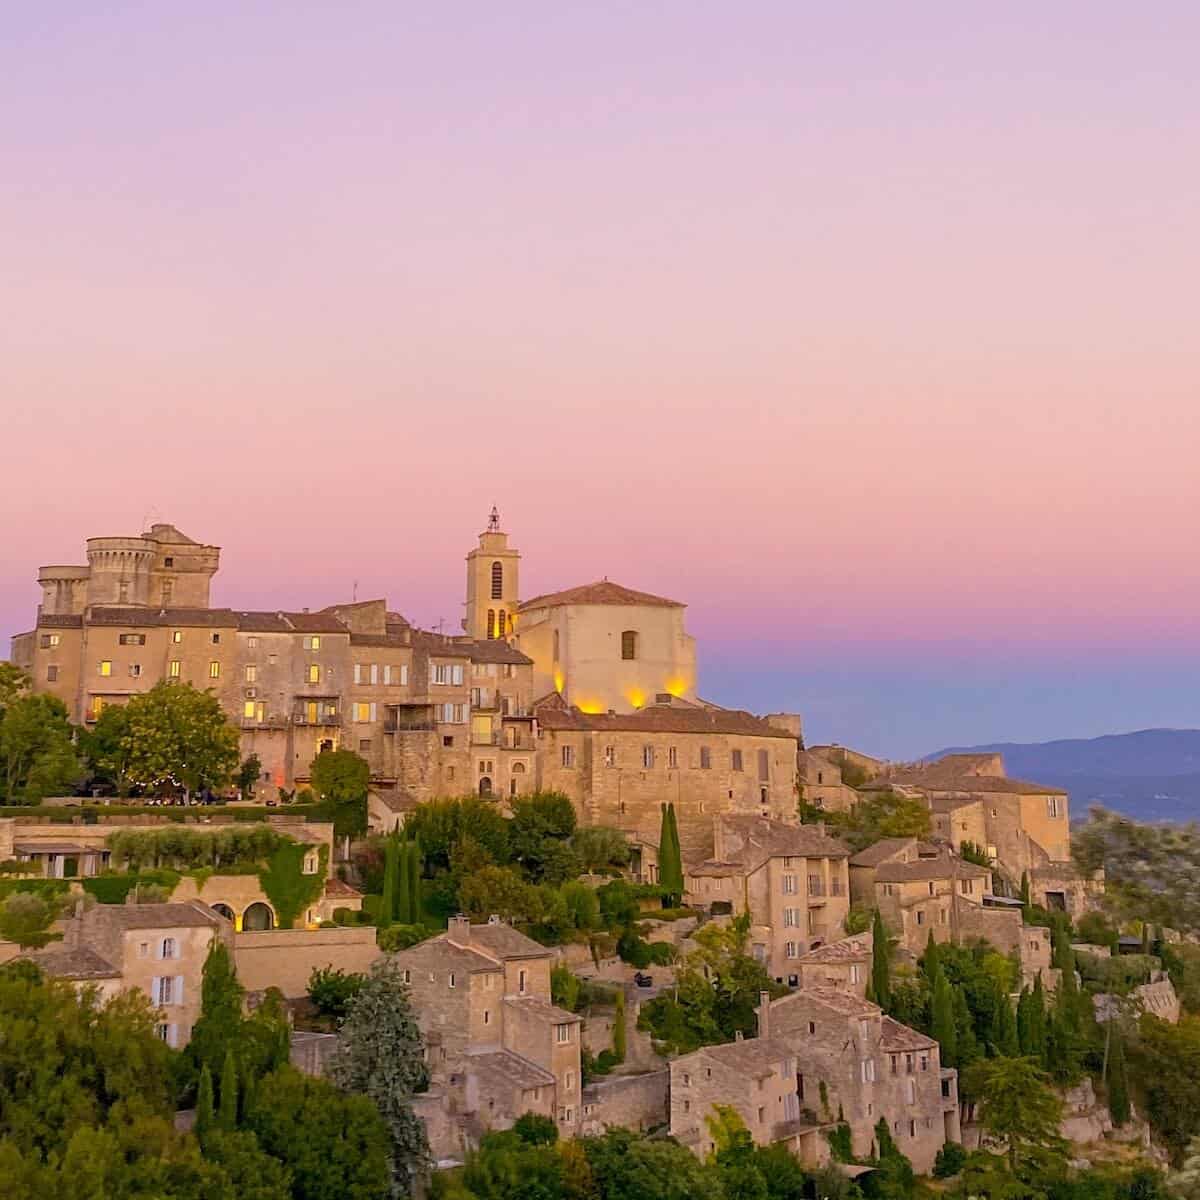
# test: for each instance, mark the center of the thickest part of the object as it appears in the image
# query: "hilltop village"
(604, 902)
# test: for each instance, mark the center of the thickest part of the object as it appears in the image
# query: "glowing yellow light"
(636, 697)
(676, 687)
(559, 680)
(590, 706)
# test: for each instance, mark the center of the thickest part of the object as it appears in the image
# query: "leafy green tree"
(37, 755)
(535, 1130)
(894, 1173)
(583, 906)
(14, 683)
(944, 1028)
(881, 959)
(1004, 1030)
(381, 1055)
(1165, 1062)
(1031, 1021)
(25, 918)
(106, 747)
(966, 1045)
(220, 1023)
(600, 848)
(178, 739)
(1118, 1081)
(1018, 1107)
(227, 1110)
(1184, 1184)
(331, 990)
(248, 774)
(628, 1167)
(253, 1174)
(343, 1151)
(1026, 893)
(880, 815)
(442, 825)
(500, 891)
(539, 837)
(340, 779)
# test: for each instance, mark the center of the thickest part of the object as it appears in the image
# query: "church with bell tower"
(493, 585)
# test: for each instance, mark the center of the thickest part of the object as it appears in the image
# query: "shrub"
(332, 990)
(400, 937)
(950, 1160)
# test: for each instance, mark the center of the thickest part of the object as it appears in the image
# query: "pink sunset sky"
(870, 331)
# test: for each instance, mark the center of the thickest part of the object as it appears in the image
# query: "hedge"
(93, 814)
(113, 889)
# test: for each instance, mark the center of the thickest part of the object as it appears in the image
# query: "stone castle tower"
(493, 579)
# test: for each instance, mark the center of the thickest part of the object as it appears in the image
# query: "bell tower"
(493, 577)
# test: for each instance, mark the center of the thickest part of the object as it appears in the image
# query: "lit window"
(214, 670)
(312, 643)
(314, 673)
(629, 644)
(174, 668)
(106, 667)
(491, 623)
(177, 636)
(248, 710)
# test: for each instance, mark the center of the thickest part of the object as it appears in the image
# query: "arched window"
(224, 910)
(502, 627)
(497, 580)
(258, 917)
(485, 786)
(629, 644)
(168, 948)
(491, 623)
(556, 645)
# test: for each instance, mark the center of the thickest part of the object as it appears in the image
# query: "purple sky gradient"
(869, 332)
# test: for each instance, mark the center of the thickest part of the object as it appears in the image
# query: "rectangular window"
(705, 758)
(789, 950)
(133, 639)
(568, 756)
(868, 1070)
(358, 672)
(521, 982)
(252, 643)
(456, 674)
(174, 669)
(106, 667)
(672, 757)
(51, 674)
(314, 673)
(562, 1033)
(764, 765)
(1052, 806)
(362, 712)
(789, 885)
(312, 643)
(647, 756)
(387, 673)
(736, 761)
(450, 979)
(177, 636)
(610, 756)
(791, 917)
(920, 916)
(364, 745)
(214, 670)
(248, 710)
(251, 673)
(854, 973)
(374, 672)
(48, 640)
(441, 673)
(216, 639)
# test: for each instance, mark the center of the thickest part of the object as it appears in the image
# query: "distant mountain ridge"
(1151, 774)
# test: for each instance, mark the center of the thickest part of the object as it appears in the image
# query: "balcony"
(391, 725)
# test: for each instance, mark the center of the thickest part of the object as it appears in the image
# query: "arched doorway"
(257, 918)
(225, 911)
(485, 786)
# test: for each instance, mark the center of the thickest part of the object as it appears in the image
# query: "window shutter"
(158, 948)
(178, 995)
(155, 983)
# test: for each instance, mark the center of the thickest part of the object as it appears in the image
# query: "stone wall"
(632, 1101)
(284, 958)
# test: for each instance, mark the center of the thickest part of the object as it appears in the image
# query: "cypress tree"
(929, 960)
(414, 883)
(1062, 956)
(881, 986)
(1037, 1020)
(387, 902)
(1004, 1027)
(618, 1040)
(966, 1044)
(403, 904)
(1118, 1081)
(943, 1029)
(670, 862)
(1024, 1033)
(227, 1113)
(1026, 895)
(204, 1104)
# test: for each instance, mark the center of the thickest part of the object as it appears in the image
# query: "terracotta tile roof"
(875, 853)
(711, 869)
(659, 718)
(339, 887)
(382, 640)
(289, 622)
(79, 963)
(754, 1057)
(208, 618)
(764, 838)
(895, 1036)
(603, 591)
(847, 949)
(510, 1068)
(160, 916)
(447, 956)
(544, 1010)
(437, 645)
(503, 941)
(961, 773)
(929, 868)
(952, 804)
(60, 620)
(498, 651)
(846, 1004)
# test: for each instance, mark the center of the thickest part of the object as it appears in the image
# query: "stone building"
(758, 1078)
(496, 1044)
(619, 768)
(791, 878)
(850, 1056)
(156, 949)
(821, 782)
(844, 964)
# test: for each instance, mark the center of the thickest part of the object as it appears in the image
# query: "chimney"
(458, 930)
(763, 1011)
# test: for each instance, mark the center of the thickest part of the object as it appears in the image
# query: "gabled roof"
(945, 867)
(658, 718)
(894, 1036)
(847, 949)
(496, 650)
(504, 1066)
(754, 1057)
(544, 1010)
(78, 963)
(877, 852)
(161, 916)
(602, 592)
(765, 837)
(503, 941)
(844, 1003)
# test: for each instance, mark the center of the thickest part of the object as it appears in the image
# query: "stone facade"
(844, 964)
(791, 878)
(870, 1066)
(156, 949)
(821, 783)
(629, 1101)
(496, 1044)
(285, 958)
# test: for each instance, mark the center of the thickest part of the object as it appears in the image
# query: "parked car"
(643, 980)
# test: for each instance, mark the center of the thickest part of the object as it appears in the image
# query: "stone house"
(851, 1057)
(497, 1046)
(792, 879)
(757, 1077)
(844, 964)
(156, 949)
(926, 897)
(821, 782)
(866, 862)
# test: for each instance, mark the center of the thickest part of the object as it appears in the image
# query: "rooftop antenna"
(494, 520)
(354, 593)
